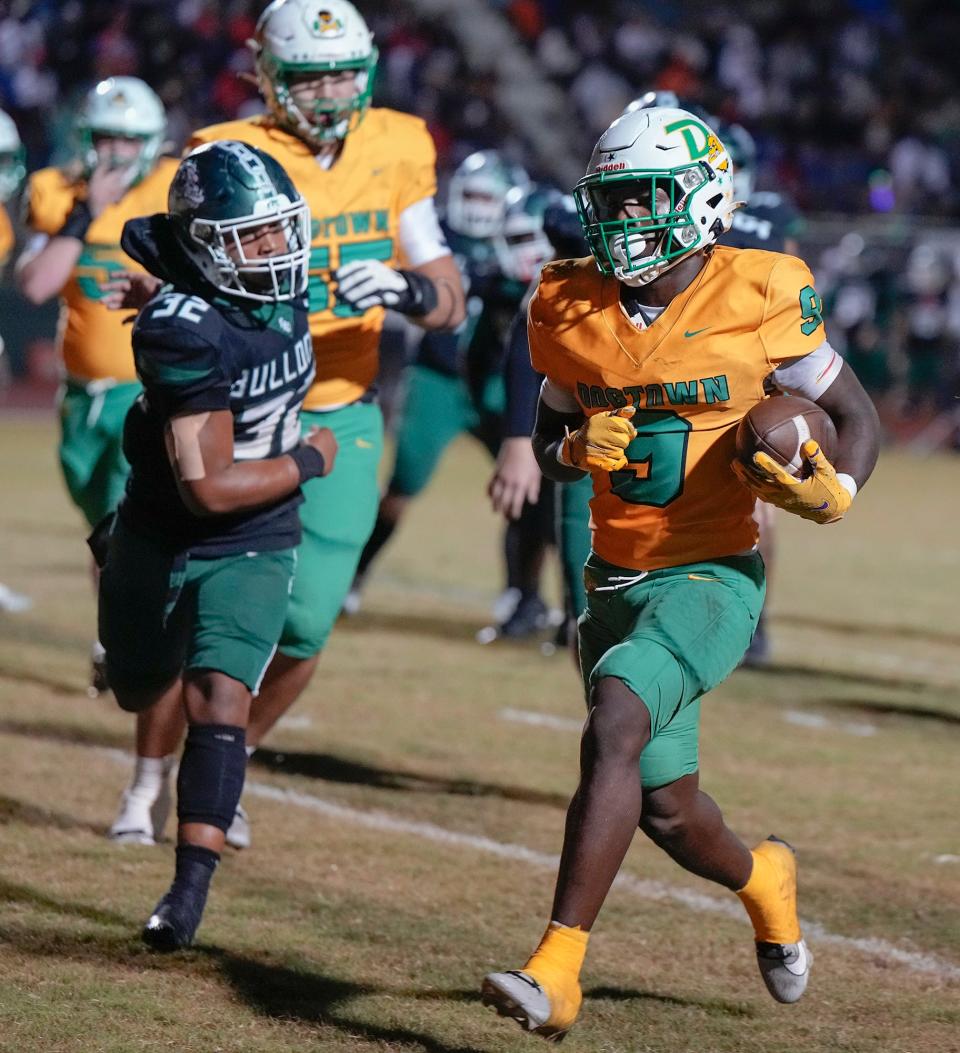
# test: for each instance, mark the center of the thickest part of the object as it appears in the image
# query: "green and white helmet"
(12, 158)
(477, 193)
(675, 168)
(314, 36)
(224, 190)
(522, 245)
(124, 107)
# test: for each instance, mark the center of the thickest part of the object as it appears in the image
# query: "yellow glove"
(598, 444)
(821, 497)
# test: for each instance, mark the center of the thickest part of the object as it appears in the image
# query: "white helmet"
(12, 158)
(681, 176)
(314, 36)
(522, 245)
(124, 107)
(477, 193)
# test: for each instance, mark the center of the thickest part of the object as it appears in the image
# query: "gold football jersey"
(387, 163)
(692, 375)
(95, 342)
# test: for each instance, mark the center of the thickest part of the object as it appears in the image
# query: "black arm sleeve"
(521, 380)
(548, 432)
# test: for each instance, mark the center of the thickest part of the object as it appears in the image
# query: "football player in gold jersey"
(653, 350)
(369, 177)
(75, 216)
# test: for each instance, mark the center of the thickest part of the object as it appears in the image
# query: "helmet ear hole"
(715, 200)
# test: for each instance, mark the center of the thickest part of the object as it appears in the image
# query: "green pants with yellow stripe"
(671, 636)
(91, 444)
(337, 517)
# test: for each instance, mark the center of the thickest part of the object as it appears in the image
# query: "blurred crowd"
(855, 108)
(855, 104)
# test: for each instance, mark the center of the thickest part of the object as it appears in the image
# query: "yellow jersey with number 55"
(692, 375)
(387, 163)
(95, 342)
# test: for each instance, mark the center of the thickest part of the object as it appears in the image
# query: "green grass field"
(407, 817)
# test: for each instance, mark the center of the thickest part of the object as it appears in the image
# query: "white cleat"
(238, 834)
(352, 602)
(519, 997)
(133, 825)
(785, 968)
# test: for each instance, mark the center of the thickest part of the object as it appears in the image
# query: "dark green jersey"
(197, 354)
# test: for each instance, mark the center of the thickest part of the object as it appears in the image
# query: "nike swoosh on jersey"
(694, 332)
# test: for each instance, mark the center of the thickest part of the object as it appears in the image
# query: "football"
(779, 426)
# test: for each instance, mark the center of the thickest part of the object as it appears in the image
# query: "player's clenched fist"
(599, 444)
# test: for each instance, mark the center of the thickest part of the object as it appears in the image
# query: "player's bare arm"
(211, 482)
(826, 491)
(858, 426)
(44, 269)
(451, 304)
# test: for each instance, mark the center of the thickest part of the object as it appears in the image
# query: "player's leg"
(436, 409)
(102, 495)
(688, 825)
(93, 466)
(758, 653)
(705, 615)
(573, 545)
(544, 996)
(144, 626)
(526, 542)
(238, 605)
(336, 517)
(686, 631)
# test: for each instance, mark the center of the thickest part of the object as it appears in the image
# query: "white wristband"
(848, 483)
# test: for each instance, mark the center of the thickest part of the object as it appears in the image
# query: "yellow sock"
(770, 895)
(555, 965)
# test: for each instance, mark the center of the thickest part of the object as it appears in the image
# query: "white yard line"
(791, 716)
(645, 889)
(541, 720)
(817, 720)
(914, 961)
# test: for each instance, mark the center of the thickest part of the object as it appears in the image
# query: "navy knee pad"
(211, 774)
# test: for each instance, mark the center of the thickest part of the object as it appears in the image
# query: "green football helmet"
(225, 190)
(314, 36)
(123, 107)
(13, 165)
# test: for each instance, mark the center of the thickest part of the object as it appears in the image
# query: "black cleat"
(529, 618)
(175, 920)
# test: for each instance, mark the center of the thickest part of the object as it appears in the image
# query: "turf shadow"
(778, 670)
(69, 734)
(714, 1006)
(14, 892)
(15, 811)
(279, 992)
(328, 768)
